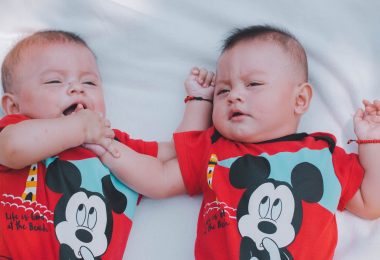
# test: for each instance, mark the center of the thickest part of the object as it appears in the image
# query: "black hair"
(269, 33)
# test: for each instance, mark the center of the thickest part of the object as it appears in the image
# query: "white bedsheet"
(145, 49)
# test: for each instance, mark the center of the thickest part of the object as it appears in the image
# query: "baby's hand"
(367, 121)
(200, 83)
(97, 130)
(96, 149)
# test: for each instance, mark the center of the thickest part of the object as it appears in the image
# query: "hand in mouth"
(73, 108)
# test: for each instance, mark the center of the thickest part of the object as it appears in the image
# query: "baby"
(269, 192)
(57, 200)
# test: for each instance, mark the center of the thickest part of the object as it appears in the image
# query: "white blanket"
(145, 49)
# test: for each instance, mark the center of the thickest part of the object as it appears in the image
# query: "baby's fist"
(200, 83)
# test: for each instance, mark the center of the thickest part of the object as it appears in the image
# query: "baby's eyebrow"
(50, 71)
(222, 81)
(253, 72)
(91, 74)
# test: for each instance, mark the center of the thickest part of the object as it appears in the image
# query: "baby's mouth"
(236, 114)
(72, 109)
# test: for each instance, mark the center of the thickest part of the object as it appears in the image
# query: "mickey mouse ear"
(307, 182)
(249, 169)
(63, 177)
(116, 199)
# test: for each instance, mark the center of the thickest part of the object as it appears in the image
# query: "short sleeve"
(350, 174)
(140, 146)
(192, 148)
(11, 119)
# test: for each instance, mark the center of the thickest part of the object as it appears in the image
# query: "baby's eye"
(222, 91)
(53, 82)
(89, 83)
(254, 84)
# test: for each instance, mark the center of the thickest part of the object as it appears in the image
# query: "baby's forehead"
(291, 52)
(57, 54)
(43, 45)
(254, 43)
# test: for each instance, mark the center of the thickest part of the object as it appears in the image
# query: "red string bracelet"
(372, 141)
(189, 98)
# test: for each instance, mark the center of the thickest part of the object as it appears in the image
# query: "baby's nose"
(235, 95)
(75, 87)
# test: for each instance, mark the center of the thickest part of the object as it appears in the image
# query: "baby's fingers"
(209, 80)
(110, 145)
(372, 108)
(205, 77)
(109, 133)
(78, 108)
(95, 148)
(359, 114)
(202, 76)
(195, 71)
(113, 150)
(376, 104)
(107, 123)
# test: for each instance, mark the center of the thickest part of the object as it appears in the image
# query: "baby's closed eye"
(222, 91)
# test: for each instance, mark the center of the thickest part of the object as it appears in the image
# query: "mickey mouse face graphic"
(85, 224)
(82, 218)
(270, 214)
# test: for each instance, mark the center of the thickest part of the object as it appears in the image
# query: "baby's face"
(53, 79)
(256, 83)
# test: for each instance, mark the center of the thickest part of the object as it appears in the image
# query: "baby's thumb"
(79, 107)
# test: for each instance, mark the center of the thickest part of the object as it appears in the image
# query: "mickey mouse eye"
(81, 214)
(276, 209)
(264, 207)
(92, 218)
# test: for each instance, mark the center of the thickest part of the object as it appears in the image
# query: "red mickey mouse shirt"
(66, 207)
(269, 200)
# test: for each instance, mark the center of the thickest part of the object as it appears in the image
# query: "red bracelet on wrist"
(189, 98)
(371, 141)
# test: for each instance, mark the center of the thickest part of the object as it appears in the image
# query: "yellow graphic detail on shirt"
(30, 192)
(210, 169)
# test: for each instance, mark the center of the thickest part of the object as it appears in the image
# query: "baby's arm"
(145, 174)
(161, 177)
(365, 202)
(33, 140)
(197, 116)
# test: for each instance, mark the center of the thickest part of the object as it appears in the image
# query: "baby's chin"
(240, 136)
(247, 135)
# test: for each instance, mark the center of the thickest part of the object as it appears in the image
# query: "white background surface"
(145, 49)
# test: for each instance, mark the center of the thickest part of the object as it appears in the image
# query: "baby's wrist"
(364, 141)
(200, 93)
(77, 125)
(197, 98)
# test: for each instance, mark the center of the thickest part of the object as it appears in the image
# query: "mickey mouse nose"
(83, 235)
(267, 227)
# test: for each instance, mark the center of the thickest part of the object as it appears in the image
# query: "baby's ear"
(9, 104)
(303, 97)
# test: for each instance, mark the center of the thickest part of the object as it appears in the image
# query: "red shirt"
(66, 206)
(267, 200)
